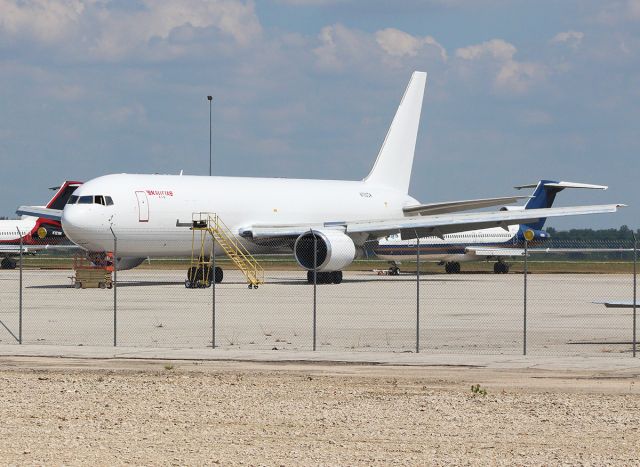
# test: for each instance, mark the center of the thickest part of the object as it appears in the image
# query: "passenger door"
(143, 206)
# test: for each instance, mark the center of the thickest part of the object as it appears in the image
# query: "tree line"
(623, 233)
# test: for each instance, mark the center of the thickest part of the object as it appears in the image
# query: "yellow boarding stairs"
(200, 272)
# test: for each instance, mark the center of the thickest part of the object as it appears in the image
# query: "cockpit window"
(97, 199)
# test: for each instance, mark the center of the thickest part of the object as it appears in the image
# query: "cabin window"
(73, 199)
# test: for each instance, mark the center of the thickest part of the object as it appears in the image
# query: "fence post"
(115, 287)
(315, 283)
(635, 297)
(20, 297)
(213, 298)
(417, 293)
(524, 323)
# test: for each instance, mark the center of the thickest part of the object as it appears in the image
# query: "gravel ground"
(104, 412)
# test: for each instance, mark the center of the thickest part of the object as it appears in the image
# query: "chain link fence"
(556, 308)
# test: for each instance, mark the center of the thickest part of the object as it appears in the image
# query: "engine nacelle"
(335, 250)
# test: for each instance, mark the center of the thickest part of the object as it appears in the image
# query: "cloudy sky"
(517, 91)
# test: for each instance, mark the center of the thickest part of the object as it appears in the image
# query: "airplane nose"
(69, 223)
(87, 228)
(74, 225)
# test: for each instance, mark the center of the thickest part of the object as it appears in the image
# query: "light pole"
(209, 98)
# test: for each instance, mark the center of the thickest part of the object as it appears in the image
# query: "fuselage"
(143, 210)
(12, 230)
(453, 247)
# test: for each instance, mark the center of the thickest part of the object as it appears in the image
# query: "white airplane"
(37, 233)
(146, 212)
(495, 244)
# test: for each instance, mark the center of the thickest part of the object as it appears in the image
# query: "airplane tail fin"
(545, 194)
(395, 159)
(62, 194)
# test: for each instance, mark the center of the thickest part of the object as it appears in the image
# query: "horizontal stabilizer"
(457, 206)
(563, 185)
(39, 211)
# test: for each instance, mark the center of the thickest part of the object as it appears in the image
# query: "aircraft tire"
(219, 274)
(8, 263)
(500, 268)
(191, 274)
(336, 277)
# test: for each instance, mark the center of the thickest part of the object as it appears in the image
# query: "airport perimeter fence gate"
(421, 309)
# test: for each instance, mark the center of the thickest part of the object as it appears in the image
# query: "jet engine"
(335, 250)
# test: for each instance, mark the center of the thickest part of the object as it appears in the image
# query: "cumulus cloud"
(341, 46)
(110, 29)
(571, 38)
(495, 48)
(399, 43)
(619, 11)
(42, 20)
(510, 75)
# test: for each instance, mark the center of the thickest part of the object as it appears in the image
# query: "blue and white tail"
(395, 159)
(545, 194)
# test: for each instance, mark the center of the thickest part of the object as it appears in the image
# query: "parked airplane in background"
(485, 244)
(147, 212)
(37, 233)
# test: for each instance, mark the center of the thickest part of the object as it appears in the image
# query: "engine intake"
(335, 250)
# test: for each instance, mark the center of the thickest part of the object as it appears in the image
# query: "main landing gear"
(333, 277)
(500, 268)
(202, 277)
(394, 270)
(452, 267)
(8, 263)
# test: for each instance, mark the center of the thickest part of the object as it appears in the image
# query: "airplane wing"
(424, 226)
(503, 251)
(28, 249)
(620, 304)
(456, 206)
(494, 251)
(39, 211)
